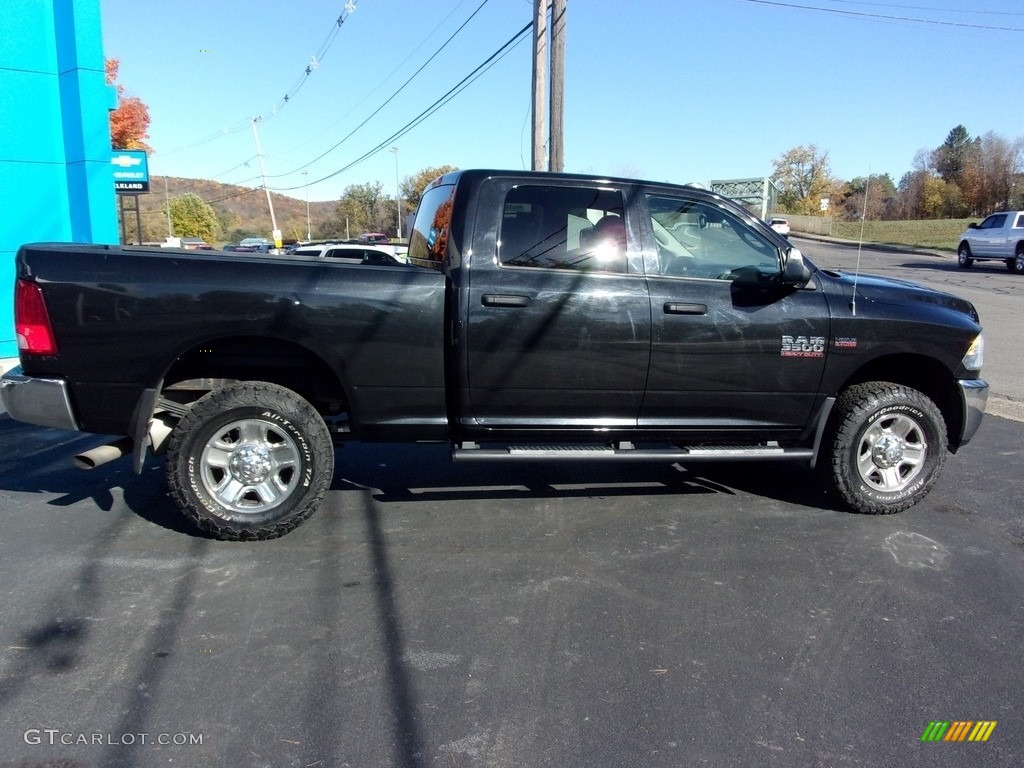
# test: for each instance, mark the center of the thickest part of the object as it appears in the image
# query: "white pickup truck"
(1000, 236)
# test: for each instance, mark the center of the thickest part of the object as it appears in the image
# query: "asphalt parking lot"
(434, 614)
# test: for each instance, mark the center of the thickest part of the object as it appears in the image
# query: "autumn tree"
(803, 177)
(364, 208)
(191, 216)
(414, 186)
(129, 123)
(881, 195)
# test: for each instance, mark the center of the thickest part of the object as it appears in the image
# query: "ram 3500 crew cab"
(548, 317)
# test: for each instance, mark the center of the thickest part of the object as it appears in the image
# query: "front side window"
(993, 222)
(563, 228)
(698, 239)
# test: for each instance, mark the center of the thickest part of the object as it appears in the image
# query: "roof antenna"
(863, 218)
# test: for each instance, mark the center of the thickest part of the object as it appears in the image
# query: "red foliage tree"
(130, 121)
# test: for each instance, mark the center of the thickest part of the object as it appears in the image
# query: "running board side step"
(469, 451)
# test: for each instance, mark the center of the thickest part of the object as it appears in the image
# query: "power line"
(883, 17)
(313, 65)
(970, 11)
(490, 61)
(389, 99)
(379, 85)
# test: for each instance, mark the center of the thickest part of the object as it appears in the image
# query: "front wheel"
(963, 256)
(886, 447)
(250, 461)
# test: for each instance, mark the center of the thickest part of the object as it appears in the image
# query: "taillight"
(31, 321)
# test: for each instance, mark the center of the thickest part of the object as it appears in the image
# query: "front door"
(732, 348)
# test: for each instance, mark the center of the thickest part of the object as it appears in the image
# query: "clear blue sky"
(675, 90)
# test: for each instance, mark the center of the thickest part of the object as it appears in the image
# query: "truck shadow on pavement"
(410, 472)
(401, 472)
(37, 460)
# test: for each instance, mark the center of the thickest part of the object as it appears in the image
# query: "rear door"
(732, 349)
(559, 322)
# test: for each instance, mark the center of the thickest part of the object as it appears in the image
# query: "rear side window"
(563, 228)
(428, 240)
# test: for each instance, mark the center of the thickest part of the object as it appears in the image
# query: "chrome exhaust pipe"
(103, 454)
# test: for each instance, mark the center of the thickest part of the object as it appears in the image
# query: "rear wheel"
(963, 256)
(250, 461)
(887, 445)
(1017, 265)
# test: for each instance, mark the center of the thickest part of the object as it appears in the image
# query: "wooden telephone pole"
(542, 55)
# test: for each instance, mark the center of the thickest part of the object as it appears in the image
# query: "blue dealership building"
(55, 156)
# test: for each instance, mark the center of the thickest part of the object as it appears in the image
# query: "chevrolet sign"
(131, 171)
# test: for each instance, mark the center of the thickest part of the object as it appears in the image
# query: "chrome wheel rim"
(892, 453)
(250, 466)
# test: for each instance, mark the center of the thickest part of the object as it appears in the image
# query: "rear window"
(428, 240)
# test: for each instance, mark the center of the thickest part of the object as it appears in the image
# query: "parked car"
(1000, 237)
(378, 255)
(373, 237)
(780, 225)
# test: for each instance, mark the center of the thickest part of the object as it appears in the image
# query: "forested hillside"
(240, 211)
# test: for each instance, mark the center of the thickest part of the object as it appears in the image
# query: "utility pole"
(263, 174)
(398, 193)
(305, 178)
(540, 64)
(556, 160)
(542, 55)
(167, 204)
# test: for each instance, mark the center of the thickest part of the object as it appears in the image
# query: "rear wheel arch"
(248, 358)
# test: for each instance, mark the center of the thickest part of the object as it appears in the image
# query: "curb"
(889, 247)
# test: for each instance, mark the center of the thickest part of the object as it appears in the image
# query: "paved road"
(464, 615)
(996, 293)
(440, 615)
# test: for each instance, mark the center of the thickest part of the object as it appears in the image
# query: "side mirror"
(973, 225)
(796, 272)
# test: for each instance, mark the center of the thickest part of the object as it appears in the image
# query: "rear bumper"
(40, 401)
(974, 396)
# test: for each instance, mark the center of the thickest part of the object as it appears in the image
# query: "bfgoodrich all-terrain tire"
(885, 449)
(250, 461)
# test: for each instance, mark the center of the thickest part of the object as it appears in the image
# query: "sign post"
(131, 177)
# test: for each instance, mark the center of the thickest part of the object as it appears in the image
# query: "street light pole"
(305, 176)
(398, 193)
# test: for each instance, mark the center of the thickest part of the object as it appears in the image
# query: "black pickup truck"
(544, 317)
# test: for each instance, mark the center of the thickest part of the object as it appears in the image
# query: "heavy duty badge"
(803, 346)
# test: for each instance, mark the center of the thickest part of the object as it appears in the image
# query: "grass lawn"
(941, 234)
